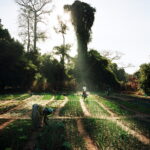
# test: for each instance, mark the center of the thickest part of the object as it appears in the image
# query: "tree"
(63, 50)
(34, 9)
(98, 74)
(120, 73)
(62, 28)
(52, 70)
(16, 70)
(145, 78)
(111, 55)
(115, 56)
(26, 26)
(82, 19)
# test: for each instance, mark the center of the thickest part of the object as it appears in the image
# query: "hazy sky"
(120, 25)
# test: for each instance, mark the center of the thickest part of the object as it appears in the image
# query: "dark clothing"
(84, 94)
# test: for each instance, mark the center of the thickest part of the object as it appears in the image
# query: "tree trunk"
(35, 31)
(28, 44)
(82, 59)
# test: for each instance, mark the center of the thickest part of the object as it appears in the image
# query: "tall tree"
(82, 20)
(63, 49)
(62, 28)
(38, 9)
(25, 24)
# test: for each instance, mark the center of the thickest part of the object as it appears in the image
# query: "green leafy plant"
(59, 97)
(15, 135)
(72, 108)
(46, 97)
(107, 135)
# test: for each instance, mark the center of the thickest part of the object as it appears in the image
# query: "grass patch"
(59, 97)
(54, 104)
(9, 96)
(107, 135)
(72, 108)
(15, 135)
(46, 97)
(60, 135)
(73, 97)
(114, 107)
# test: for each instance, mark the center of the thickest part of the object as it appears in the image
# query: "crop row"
(107, 135)
(137, 124)
(73, 97)
(60, 134)
(136, 105)
(72, 108)
(14, 96)
(95, 109)
(114, 107)
(15, 135)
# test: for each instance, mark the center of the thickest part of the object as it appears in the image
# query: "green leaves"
(145, 77)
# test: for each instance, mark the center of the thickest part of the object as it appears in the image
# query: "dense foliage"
(16, 70)
(145, 77)
(32, 71)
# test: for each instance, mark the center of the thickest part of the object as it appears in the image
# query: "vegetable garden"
(109, 125)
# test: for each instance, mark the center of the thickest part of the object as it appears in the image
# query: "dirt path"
(25, 104)
(31, 144)
(3, 103)
(85, 111)
(139, 136)
(88, 142)
(5, 124)
(60, 107)
(7, 116)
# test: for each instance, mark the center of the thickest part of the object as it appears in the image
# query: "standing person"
(84, 93)
(39, 115)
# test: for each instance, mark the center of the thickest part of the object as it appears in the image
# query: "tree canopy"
(145, 77)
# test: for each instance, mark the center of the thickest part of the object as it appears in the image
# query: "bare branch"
(112, 55)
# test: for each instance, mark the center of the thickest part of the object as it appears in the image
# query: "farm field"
(112, 122)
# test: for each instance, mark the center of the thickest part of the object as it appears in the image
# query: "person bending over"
(40, 115)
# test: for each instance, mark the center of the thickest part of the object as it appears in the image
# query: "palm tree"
(63, 50)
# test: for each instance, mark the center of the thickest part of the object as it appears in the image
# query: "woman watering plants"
(39, 115)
